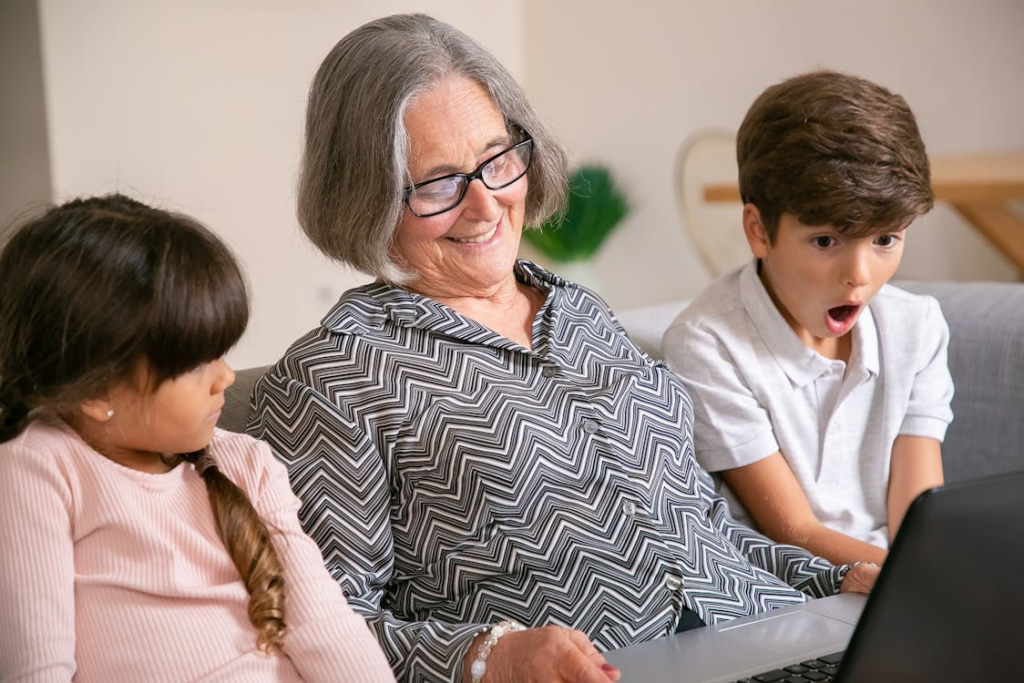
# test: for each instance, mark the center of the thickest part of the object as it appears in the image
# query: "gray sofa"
(986, 359)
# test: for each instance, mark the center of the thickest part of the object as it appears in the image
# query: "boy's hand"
(860, 578)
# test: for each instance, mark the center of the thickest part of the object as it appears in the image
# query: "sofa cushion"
(646, 325)
(235, 413)
(986, 359)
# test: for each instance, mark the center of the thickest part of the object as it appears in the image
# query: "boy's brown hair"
(833, 149)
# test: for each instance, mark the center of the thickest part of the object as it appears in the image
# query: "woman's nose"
(480, 202)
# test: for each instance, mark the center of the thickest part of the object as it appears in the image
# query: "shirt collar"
(865, 344)
(371, 307)
(801, 364)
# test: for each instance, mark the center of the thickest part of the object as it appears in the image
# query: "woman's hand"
(551, 654)
(861, 578)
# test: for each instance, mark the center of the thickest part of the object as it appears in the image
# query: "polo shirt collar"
(801, 364)
(865, 344)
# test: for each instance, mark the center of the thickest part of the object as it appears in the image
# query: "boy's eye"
(886, 240)
(823, 241)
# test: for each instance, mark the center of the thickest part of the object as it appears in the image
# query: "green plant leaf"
(594, 208)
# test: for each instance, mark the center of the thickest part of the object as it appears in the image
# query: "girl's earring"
(110, 413)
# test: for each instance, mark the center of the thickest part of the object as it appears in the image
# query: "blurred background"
(198, 105)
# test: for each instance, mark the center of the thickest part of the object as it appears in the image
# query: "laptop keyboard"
(813, 670)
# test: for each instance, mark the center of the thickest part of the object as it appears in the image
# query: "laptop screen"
(949, 600)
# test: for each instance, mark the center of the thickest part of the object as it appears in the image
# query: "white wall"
(198, 105)
(625, 83)
(24, 162)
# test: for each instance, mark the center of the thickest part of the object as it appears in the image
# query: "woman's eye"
(440, 189)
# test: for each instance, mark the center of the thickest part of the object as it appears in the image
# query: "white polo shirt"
(757, 389)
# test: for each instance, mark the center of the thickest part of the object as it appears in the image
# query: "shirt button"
(629, 507)
(590, 426)
(549, 371)
(673, 583)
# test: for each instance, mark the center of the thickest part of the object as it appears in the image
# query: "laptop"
(947, 606)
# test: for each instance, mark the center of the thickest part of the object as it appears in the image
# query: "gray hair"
(350, 195)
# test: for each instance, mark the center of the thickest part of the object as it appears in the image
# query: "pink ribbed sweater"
(114, 575)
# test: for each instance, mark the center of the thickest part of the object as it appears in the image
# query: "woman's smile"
(482, 238)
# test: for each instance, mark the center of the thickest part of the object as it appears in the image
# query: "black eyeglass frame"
(470, 177)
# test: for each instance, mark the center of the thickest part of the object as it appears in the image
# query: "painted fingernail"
(608, 667)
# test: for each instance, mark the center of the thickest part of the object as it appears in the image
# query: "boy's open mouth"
(842, 313)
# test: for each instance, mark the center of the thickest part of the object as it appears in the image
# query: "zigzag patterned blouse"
(453, 478)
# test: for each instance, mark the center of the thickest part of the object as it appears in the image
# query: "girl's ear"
(753, 228)
(98, 409)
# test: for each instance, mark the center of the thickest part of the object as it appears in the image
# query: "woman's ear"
(753, 228)
(98, 409)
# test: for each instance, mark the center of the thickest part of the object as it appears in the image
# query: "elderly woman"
(477, 443)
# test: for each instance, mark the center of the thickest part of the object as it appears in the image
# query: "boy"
(821, 395)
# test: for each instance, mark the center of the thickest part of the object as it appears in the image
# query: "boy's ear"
(97, 409)
(753, 228)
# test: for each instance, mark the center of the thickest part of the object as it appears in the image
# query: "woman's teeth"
(479, 239)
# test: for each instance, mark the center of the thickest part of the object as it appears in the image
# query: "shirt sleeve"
(325, 640)
(928, 410)
(731, 428)
(797, 567)
(37, 584)
(342, 481)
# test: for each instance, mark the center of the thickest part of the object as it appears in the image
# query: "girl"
(138, 542)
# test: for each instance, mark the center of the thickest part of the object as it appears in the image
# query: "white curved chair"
(709, 156)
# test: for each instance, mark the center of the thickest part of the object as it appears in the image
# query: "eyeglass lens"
(441, 194)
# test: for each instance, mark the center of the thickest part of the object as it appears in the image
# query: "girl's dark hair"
(97, 287)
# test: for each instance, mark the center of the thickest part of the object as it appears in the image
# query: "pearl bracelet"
(479, 667)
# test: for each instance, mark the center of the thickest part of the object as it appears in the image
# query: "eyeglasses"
(438, 195)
